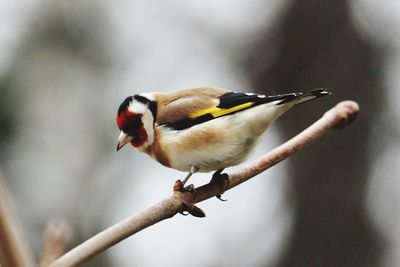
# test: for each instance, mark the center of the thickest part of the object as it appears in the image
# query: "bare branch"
(13, 251)
(338, 117)
(118, 232)
(56, 236)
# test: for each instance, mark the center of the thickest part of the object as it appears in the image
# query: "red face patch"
(131, 123)
(126, 118)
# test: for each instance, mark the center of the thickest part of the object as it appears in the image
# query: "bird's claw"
(186, 195)
(219, 196)
(190, 188)
(184, 212)
(223, 180)
(178, 186)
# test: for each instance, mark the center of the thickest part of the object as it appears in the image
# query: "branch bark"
(13, 251)
(336, 118)
(57, 234)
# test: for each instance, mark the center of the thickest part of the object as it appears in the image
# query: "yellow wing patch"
(218, 112)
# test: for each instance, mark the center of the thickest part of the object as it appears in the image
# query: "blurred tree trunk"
(318, 46)
(47, 106)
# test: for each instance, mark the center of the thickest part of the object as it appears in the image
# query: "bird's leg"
(189, 188)
(187, 178)
(222, 179)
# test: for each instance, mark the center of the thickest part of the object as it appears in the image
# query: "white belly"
(214, 157)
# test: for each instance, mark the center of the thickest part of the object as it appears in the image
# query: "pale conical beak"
(123, 140)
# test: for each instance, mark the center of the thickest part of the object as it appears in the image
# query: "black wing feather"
(232, 99)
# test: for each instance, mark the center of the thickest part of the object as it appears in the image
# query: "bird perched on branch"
(201, 129)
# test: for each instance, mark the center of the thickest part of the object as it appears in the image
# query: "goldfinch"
(201, 129)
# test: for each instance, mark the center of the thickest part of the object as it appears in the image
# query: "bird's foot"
(222, 179)
(186, 195)
(179, 186)
(189, 188)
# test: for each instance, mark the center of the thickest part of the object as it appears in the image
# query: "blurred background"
(65, 66)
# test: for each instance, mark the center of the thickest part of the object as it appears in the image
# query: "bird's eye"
(132, 125)
(129, 122)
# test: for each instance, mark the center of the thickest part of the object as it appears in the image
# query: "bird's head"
(135, 119)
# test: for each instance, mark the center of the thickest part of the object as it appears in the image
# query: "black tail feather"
(319, 92)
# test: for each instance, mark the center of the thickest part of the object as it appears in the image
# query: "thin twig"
(338, 117)
(57, 234)
(13, 251)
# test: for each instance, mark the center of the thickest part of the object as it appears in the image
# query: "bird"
(201, 129)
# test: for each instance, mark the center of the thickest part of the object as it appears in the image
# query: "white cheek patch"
(148, 122)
